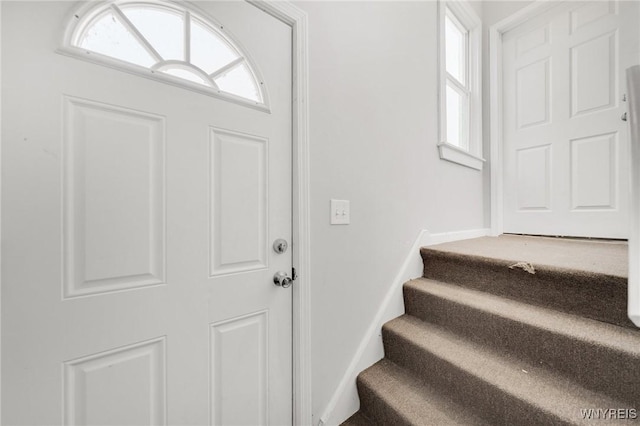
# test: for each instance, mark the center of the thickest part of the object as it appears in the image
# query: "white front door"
(137, 220)
(566, 166)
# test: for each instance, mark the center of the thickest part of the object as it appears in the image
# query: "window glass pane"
(109, 37)
(239, 81)
(455, 50)
(208, 51)
(134, 32)
(163, 29)
(454, 117)
(187, 75)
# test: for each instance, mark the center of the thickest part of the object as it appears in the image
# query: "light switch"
(340, 212)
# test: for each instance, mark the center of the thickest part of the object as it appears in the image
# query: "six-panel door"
(565, 145)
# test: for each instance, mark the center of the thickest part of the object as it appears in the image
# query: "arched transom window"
(169, 40)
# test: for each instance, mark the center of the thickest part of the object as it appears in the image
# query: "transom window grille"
(167, 40)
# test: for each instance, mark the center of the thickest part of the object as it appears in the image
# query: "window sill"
(456, 155)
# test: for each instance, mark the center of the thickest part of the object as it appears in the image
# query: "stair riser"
(377, 408)
(358, 419)
(486, 400)
(603, 298)
(595, 367)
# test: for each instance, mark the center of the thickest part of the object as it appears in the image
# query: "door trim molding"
(298, 21)
(496, 32)
(1, 197)
(633, 93)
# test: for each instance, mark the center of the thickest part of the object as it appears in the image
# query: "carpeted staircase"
(509, 331)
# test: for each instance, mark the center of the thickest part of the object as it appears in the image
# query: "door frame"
(301, 301)
(1, 91)
(633, 88)
(496, 32)
(297, 19)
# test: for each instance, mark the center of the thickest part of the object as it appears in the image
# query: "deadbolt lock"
(280, 246)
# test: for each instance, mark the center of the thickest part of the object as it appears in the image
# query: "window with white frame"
(168, 41)
(460, 84)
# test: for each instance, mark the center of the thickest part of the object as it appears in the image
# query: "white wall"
(373, 99)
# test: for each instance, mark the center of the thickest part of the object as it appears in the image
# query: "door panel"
(238, 212)
(593, 178)
(93, 386)
(113, 195)
(137, 226)
(534, 178)
(534, 101)
(593, 76)
(565, 145)
(239, 383)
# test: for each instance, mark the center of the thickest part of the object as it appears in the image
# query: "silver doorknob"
(281, 279)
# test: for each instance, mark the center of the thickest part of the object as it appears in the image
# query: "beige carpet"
(597, 256)
(581, 277)
(484, 342)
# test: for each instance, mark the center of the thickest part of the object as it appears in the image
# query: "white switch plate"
(340, 212)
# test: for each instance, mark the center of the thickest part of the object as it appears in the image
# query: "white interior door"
(137, 224)
(566, 167)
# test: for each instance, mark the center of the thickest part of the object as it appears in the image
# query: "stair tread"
(583, 292)
(588, 256)
(573, 326)
(538, 386)
(417, 402)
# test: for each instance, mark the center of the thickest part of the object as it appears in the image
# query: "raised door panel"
(589, 13)
(594, 172)
(123, 386)
(533, 93)
(113, 198)
(534, 178)
(239, 371)
(593, 75)
(238, 213)
(533, 39)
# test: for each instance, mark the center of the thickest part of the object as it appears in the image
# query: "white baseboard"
(344, 401)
